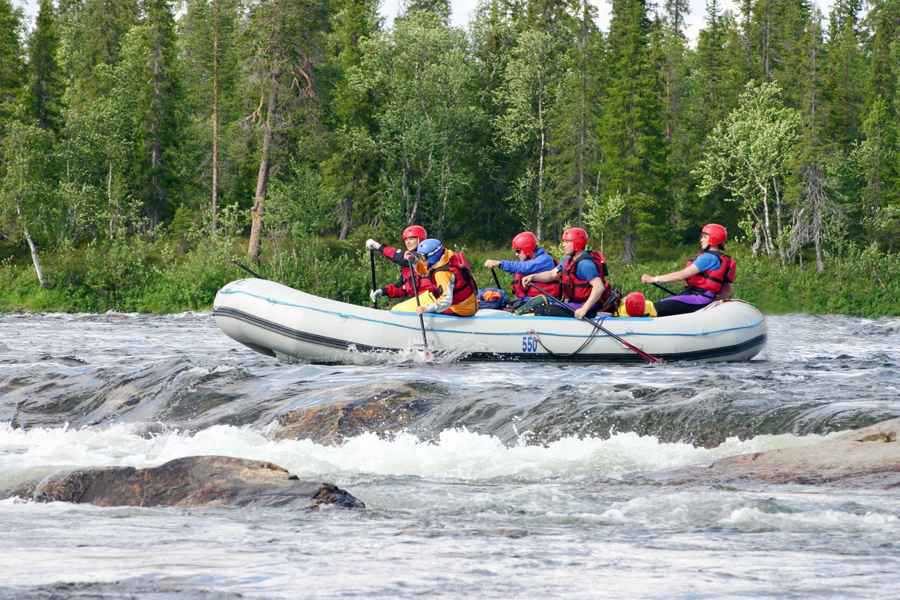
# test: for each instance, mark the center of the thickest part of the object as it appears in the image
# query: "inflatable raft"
(274, 319)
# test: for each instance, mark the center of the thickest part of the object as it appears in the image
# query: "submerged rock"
(869, 457)
(189, 481)
(383, 411)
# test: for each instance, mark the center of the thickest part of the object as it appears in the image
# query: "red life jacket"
(465, 284)
(713, 281)
(423, 284)
(537, 288)
(579, 290)
(404, 287)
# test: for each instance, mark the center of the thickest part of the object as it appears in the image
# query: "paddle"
(412, 278)
(372, 265)
(665, 289)
(599, 325)
(496, 281)
(247, 269)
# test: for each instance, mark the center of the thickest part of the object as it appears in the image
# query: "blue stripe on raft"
(524, 319)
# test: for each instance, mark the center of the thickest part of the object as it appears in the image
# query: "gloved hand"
(374, 295)
(372, 245)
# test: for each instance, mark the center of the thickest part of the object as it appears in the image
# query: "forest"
(146, 145)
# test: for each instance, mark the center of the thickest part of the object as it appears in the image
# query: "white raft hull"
(272, 318)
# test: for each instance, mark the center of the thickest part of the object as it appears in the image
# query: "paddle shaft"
(412, 278)
(496, 280)
(644, 355)
(247, 269)
(372, 267)
(665, 289)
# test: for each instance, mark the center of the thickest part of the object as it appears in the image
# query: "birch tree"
(749, 155)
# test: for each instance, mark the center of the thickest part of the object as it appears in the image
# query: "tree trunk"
(214, 208)
(629, 240)
(346, 217)
(113, 209)
(35, 259)
(540, 195)
(155, 142)
(262, 177)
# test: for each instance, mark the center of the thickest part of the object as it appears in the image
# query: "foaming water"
(506, 480)
(455, 454)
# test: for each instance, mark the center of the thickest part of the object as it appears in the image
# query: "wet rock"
(385, 410)
(868, 456)
(189, 481)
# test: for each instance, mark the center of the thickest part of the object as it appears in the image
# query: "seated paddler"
(582, 277)
(531, 259)
(404, 286)
(707, 277)
(455, 290)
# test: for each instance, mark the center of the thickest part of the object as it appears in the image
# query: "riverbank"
(163, 276)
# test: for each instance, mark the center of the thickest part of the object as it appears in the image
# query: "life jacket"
(579, 290)
(404, 287)
(537, 288)
(465, 284)
(423, 284)
(711, 282)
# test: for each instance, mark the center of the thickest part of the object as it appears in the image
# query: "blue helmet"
(432, 250)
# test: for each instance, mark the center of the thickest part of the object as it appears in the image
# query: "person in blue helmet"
(455, 289)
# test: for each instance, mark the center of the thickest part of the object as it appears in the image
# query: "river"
(519, 480)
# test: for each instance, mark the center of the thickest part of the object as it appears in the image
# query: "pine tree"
(208, 39)
(631, 137)
(46, 86)
(286, 44)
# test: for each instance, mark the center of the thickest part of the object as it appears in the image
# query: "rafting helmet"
(717, 233)
(577, 236)
(431, 250)
(525, 242)
(635, 304)
(416, 231)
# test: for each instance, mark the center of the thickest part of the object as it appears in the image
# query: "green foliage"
(749, 156)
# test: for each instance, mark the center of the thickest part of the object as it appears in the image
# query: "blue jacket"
(540, 262)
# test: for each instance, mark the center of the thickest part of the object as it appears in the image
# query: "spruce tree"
(12, 64)
(350, 169)
(631, 138)
(844, 75)
(46, 85)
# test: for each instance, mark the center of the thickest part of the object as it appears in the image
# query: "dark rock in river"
(385, 410)
(863, 457)
(189, 481)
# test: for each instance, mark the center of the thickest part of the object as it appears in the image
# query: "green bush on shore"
(161, 276)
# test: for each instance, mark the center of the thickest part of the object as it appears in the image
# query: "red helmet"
(577, 236)
(635, 304)
(717, 234)
(526, 242)
(416, 231)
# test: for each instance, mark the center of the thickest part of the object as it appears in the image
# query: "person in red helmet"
(403, 288)
(532, 259)
(707, 277)
(582, 275)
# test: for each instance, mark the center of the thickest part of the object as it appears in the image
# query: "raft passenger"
(456, 292)
(532, 259)
(582, 275)
(403, 288)
(708, 276)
